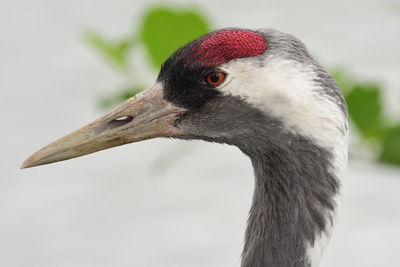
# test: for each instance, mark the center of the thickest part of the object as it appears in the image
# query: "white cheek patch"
(288, 90)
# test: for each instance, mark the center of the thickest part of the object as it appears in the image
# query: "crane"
(261, 91)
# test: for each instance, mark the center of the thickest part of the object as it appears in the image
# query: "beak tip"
(27, 163)
(23, 166)
(33, 160)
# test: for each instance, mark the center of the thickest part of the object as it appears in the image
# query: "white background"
(127, 206)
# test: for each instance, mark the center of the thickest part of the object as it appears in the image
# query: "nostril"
(124, 118)
(120, 121)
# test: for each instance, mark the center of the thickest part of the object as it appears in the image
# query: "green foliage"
(391, 146)
(114, 52)
(366, 112)
(164, 30)
(365, 108)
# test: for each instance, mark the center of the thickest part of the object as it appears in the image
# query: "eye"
(215, 78)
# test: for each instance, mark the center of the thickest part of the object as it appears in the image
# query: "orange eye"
(215, 78)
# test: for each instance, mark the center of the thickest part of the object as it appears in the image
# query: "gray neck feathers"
(294, 189)
(292, 201)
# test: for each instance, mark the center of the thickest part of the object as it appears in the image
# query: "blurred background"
(64, 63)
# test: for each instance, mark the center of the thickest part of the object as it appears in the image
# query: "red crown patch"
(222, 46)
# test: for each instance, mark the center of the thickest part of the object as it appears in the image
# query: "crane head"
(223, 87)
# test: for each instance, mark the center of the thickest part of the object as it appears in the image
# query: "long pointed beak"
(144, 116)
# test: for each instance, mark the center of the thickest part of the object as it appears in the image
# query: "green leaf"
(391, 146)
(364, 102)
(114, 52)
(164, 30)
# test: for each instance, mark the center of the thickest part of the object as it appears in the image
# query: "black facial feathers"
(184, 83)
(183, 73)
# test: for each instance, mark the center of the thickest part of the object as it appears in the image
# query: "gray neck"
(294, 189)
(293, 196)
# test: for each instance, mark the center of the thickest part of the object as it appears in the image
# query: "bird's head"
(228, 86)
